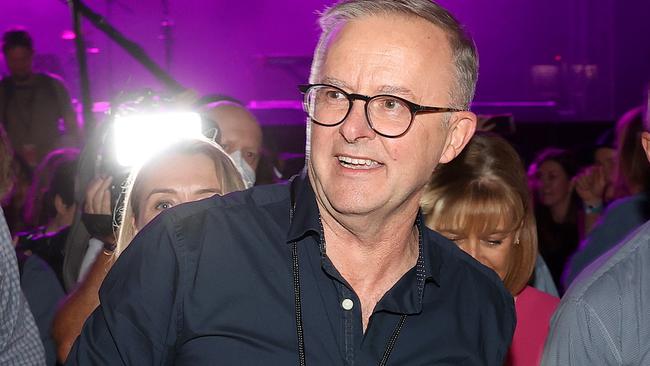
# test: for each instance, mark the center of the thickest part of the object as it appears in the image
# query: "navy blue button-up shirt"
(210, 283)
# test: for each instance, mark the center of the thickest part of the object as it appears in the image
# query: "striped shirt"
(604, 318)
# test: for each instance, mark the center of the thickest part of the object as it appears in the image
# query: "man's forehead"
(402, 29)
(383, 89)
(394, 53)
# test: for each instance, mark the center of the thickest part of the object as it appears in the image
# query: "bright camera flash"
(139, 136)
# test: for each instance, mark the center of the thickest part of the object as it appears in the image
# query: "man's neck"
(372, 256)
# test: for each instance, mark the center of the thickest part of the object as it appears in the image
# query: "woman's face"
(491, 249)
(174, 180)
(551, 183)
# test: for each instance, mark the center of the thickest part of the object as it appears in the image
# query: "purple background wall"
(591, 58)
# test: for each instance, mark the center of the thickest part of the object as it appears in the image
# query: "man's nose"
(356, 125)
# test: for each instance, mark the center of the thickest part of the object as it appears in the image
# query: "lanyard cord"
(392, 341)
(298, 303)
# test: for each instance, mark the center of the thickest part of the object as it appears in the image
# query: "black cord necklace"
(298, 303)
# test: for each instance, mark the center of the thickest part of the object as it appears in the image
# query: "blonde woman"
(481, 201)
(187, 171)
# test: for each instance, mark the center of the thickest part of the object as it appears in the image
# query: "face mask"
(247, 173)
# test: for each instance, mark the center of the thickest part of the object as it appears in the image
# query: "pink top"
(534, 310)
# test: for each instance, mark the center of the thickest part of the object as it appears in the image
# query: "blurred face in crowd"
(606, 158)
(355, 171)
(552, 184)
(493, 249)
(174, 180)
(239, 131)
(19, 62)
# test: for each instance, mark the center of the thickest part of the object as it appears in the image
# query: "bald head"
(239, 130)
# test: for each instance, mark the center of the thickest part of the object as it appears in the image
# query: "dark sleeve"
(498, 322)
(43, 292)
(136, 321)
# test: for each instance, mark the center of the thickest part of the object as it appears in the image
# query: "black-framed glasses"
(387, 115)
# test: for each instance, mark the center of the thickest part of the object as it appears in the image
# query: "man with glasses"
(335, 268)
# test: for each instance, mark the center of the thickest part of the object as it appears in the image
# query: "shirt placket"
(347, 307)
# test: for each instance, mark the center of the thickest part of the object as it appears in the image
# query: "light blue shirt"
(604, 317)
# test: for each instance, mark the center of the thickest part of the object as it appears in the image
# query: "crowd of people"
(409, 237)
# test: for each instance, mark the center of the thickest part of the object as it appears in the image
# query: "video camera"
(140, 125)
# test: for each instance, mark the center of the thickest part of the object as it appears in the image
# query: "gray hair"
(464, 52)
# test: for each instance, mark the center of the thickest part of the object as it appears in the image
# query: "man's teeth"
(351, 162)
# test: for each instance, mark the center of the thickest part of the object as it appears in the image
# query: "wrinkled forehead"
(390, 49)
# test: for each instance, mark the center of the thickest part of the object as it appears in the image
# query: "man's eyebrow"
(397, 90)
(384, 89)
(335, 82)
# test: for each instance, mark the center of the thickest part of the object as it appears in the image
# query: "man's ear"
(645, 142)
(461, 129)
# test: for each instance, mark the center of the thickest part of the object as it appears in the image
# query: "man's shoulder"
(604, 314)
(612, 272)
(250, 200)
(459, 267)
(626, 207)
(235, 211)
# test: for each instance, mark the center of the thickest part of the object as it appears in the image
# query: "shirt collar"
(305, 212)
(407, 295)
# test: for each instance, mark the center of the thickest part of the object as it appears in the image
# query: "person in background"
(604, 317)
(51, 206)
(184, 172)
(595, 183)
(557, 208)
(480, 201)
(48, 211)
(13, 203)
(35, 108)
(20, 343)
(605, 157)
(239, 133)
(631, 209)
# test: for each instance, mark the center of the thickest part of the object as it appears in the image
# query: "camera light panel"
(139, 136)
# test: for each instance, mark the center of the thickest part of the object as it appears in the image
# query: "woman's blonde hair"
(482, 190)
(227, 173)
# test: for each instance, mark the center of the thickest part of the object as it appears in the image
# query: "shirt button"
(347, 304)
